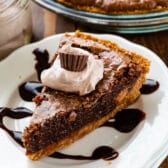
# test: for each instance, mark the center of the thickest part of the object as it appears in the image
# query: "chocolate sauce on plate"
(126, 120)
(102, 152)
(29, 90)
(42, 58)
(16, 113)
(149, 86)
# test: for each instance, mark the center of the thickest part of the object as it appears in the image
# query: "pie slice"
(60, 118)
(117, 6)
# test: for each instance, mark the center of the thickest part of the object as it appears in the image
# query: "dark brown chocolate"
(42, 61)
(15, 113)
(29, 90)
(149, 86)
(102, 152)
(126, 120)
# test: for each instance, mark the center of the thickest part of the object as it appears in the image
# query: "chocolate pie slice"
(62, 117)
(117, 6)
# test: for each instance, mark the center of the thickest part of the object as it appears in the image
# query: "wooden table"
(46, 23)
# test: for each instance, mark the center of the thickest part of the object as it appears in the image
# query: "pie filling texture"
(117, 6)
(60, 118)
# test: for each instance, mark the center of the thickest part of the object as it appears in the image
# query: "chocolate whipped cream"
(83, 82)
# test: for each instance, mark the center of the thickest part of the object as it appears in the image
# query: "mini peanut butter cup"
(73, 59)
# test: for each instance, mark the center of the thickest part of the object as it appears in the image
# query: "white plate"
(146, 146)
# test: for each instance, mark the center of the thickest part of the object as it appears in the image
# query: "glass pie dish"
(129, 23)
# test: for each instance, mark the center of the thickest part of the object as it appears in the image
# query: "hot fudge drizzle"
(15, 113)
(149, 86)
(126, 120)
(29, 90)
(102, 152)
(42, 58)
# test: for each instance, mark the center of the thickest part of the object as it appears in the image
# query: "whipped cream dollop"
(82, 82)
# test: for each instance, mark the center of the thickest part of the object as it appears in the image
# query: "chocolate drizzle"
(126, 120)
(149, 86)
(102, 152)
(29, 90)
(42, 58)
(16, 113)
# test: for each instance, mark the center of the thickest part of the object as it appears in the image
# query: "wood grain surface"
(46, 23)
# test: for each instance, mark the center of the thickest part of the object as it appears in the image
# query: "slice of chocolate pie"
(89, 81)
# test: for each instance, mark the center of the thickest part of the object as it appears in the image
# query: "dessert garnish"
(73, 59)
(75, 70)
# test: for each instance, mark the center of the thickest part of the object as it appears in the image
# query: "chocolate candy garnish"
(73, 59)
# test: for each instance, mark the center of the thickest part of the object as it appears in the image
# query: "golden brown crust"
(97, 9)
(129, 99)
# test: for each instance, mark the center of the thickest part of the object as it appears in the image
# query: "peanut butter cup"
(73, 59)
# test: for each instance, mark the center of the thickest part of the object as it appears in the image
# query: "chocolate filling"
(62, 124)
(58, 114)
(118, 5)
